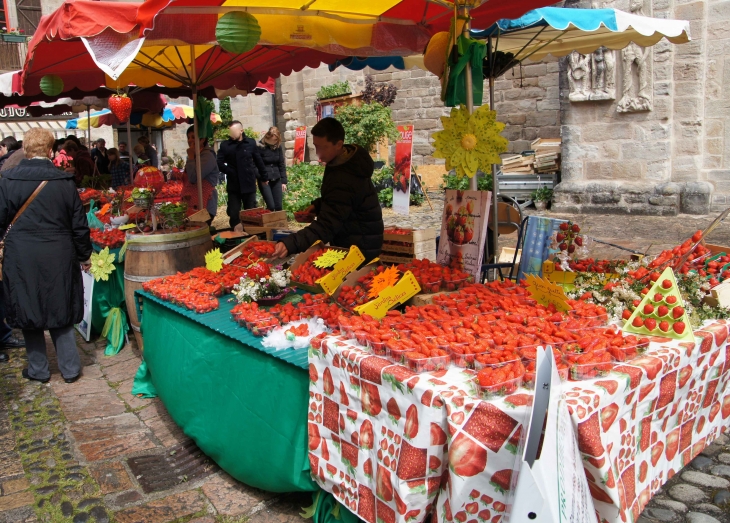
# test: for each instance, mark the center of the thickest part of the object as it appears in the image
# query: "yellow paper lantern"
(237, 32)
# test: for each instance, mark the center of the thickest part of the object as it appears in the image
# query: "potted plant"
(541, 197)
(334, 90)
(118, 217)
(13, 35)
(367, 125)
(173, 214)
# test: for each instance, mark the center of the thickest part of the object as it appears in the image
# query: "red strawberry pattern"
(394, 446)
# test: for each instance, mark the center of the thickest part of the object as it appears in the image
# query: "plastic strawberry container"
(264, 327)
(398, 356)
(593, 369)
(377, 347)
(428, 364)
(489, 392)
(361, 337)
(454, 284)
(346, 330)
(627, 353)
(460, 359)
(528, 380)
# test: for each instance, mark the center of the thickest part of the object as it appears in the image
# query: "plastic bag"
(278, 340)
(94, 222)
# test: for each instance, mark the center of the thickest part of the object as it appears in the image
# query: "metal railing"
(12, 55)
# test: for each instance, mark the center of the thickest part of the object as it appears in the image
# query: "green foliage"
(221, 133)
(226, 113)
(367, 125)
(542, 194)
(451, 181)
(335, 89)
(222, 191)
(251, 133)
(304, 182)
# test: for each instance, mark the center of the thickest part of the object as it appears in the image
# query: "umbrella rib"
(85, 53)
(543, 46)
(233, 64)
(342, 16)
(182, 63)
(165, 71)
(204, 69)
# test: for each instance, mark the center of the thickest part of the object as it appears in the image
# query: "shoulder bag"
(15, 219)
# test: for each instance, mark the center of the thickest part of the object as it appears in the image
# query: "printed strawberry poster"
(464, 230)
(402, 170)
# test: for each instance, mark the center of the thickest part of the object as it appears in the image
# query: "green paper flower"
(470, 142)
(102, 264)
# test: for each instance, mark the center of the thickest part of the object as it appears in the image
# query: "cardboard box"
(719, 295)
(264, 220)
(426, 299)
(299, 261)
(402, 258)
(416, 235)
(234, 253)
(353, 277)
(409, 248)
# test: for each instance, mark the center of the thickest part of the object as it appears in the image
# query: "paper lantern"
(150, 178)
(237, 32)
(51, 85)
(435, 56)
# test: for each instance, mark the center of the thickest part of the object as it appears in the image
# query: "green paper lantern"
(237, 32)
(51, 85)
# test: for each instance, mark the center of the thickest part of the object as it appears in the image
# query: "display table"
(392, 445)
(245, 406)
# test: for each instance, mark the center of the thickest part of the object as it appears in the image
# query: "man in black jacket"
(239, 158)
(348, 212)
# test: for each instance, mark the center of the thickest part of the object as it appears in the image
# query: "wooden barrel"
(155, 255)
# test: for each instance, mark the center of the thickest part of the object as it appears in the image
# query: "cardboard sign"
(546, 293)
(404, 290)
(201, 216)
(402, 170)
(464, 230)
(300, 140)
(334, 279)
(85, 326)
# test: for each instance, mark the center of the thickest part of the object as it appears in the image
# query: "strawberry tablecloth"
(392, 445)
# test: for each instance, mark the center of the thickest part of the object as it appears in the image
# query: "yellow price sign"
(401, 292)
(545, 293)
(127, 226)
(341, 269)
(329, 258)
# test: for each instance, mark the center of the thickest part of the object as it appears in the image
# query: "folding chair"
(521, 228)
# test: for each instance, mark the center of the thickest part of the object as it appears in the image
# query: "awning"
(18, 128)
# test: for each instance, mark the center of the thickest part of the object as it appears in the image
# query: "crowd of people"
(45, 241)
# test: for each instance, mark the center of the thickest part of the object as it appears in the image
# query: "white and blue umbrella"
(556, 31)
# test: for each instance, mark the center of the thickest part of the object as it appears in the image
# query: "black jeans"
(235, 201)
(271, 193)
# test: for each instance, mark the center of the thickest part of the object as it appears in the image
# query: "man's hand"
(283, 187)
(85, 266)
(280, 251)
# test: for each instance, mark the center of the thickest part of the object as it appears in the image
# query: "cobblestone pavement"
(65, 453)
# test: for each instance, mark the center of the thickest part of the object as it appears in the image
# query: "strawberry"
(696, 236)
(684, 375)
(663, 310)
(393, 410)
(575, 228)
(579, 241)
(384, 488)
(314, 437)
(367, 439)
(677, 312)
(501, 480)
(411, 428)
(638, 322)
(564, 226)
(411, 462)
(650, 323)
(466, 457)
(664, 326)
(626, 314)
(329, 386)
(121, 106)
(560, 237)
(658, 297)
(679, 327)
(648, 308)
(654, 277)
(656, 453)
(671, 300)
(438, 436)
(608, 416)
(667, 284)
(672, 444)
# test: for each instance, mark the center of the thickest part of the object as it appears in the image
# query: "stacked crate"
(404, 245)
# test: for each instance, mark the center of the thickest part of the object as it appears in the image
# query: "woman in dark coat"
(44, 254)
(272, 153)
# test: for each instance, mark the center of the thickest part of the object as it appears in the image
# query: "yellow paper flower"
(470, 142)
(102, 264)
(329, 258)
(214, 260)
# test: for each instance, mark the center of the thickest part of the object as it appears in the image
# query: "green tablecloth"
(108, 299)
(245, 406)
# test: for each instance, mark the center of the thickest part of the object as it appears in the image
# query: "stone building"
(659, 144)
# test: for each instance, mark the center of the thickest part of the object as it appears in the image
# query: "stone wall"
(674, 158)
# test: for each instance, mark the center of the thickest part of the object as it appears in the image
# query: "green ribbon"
(114, 329)
(470, 52)
(202, 113)
(326, 509)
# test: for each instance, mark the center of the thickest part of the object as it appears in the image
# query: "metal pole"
(464, 11)
(88, 127)
(195, 128)
(129, 150)
(495, 182)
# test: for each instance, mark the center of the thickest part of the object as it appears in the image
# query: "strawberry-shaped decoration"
(121, 106)
(258, 270)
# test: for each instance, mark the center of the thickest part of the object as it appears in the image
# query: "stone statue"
(636, 57)
(579, 77)
(602, 78)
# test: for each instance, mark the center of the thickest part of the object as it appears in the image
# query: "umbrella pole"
(495, 181)
(195, 128)
(473, 185)
(88, 127)
(129, 145)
